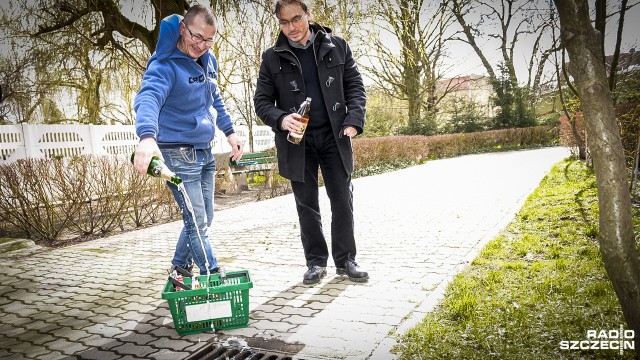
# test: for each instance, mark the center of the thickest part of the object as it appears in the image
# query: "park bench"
(259, 162)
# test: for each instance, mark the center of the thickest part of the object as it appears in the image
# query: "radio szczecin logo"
(619, 340)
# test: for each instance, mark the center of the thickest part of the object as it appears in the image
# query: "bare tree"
(10, 78)
(616, 238)
(414, 74)
(514, 20)
(345, 18)
(560, 68)
(241, 51)
(62, 68)
(602, 15)
(112, 24)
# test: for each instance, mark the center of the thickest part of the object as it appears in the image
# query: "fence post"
(29, 141)
(92, 143)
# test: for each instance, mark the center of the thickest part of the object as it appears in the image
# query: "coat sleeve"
(264, 99)
(354, 93)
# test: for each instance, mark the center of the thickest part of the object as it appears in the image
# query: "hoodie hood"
(169, 35)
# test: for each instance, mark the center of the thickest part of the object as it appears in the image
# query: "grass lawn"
(540, 282)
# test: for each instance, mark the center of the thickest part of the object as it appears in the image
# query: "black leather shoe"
(314, 274)
(352, 270)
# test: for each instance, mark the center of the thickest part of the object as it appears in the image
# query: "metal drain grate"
(221, 352)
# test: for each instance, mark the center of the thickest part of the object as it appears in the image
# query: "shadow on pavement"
(289, 310)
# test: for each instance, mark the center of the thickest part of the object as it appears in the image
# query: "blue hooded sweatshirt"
(179, 100)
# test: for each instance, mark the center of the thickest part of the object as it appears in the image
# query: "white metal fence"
(43, 141)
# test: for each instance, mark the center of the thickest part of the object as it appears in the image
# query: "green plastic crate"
(224, 305)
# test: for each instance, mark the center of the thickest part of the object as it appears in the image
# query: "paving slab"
(416, 229)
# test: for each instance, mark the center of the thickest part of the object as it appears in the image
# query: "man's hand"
(292, 123)
(236, 147)
(146, 149)
(350, 131)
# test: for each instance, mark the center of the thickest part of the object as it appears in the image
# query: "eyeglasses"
(295, 21)
(197, 38)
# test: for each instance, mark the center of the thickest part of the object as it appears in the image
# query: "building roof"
(463, 83)
(626, 62)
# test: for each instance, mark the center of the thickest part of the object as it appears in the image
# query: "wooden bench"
(252, 163)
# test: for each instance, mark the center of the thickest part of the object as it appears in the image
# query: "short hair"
(282, 3)
(201, 10)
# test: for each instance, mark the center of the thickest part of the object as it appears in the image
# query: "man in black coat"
(308, 61)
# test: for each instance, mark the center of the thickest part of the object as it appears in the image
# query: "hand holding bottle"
(147, 148)
(292, 123)
(299, 125)
(157, 168)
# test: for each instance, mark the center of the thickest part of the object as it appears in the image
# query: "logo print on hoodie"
(196, 79)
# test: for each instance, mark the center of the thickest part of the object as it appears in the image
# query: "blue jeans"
(197, 170)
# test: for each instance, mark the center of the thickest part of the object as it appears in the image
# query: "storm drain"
(222, 352)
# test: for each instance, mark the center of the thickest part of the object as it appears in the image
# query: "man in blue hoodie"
(177, 109)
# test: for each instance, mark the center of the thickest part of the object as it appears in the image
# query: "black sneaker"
(314, 274)
(352, 270)
(185, 271)
(216, 270)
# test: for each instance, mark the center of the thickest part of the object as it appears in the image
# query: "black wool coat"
(280, 91)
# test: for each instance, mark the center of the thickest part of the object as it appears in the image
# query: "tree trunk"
(412, 60)
(617, 243)
(580, 143)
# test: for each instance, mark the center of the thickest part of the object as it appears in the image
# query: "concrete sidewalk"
(415, 229)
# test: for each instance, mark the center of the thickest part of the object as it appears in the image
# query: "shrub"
(55, 201)
(39, 197)
(414, 149)
(628, 116)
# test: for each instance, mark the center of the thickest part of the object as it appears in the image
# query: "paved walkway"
(416, 228)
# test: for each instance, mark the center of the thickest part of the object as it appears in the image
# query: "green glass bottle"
(157, 168)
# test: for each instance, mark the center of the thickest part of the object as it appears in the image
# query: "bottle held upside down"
(157, 168)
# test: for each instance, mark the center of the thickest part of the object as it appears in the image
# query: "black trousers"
(321, 151)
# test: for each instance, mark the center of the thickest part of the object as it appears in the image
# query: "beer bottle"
(305, 110)
(157, 168)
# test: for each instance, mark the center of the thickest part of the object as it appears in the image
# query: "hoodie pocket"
(201, 129)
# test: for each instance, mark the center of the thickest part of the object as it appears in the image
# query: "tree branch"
(616, 53)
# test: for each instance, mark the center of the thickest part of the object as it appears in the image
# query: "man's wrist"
(147, 136)
(280, 121)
